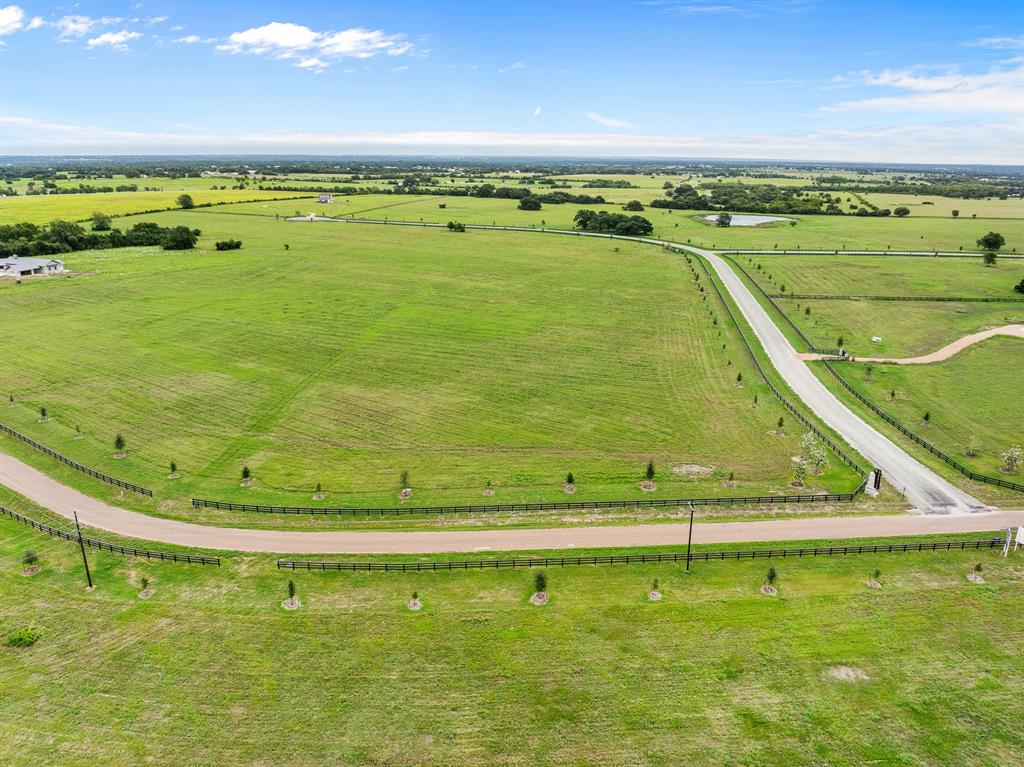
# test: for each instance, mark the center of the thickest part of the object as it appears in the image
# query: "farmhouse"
(325, 198)
(26, 267)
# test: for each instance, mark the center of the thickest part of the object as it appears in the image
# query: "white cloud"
(10, 19)
(313, 64)
(193, 40)
(79, 26)
(398, 69)
(999, 90)
(35, 22)
(608, 122)
(116, 40)
(284, 40)
(512, 67)
(996, 142)
(999, 43)
(177, 27)
(536, 111)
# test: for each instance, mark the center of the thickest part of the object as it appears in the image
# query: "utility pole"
(689, 539)
(81, 545)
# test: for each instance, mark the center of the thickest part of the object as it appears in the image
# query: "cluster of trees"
(456, 226)
(552, 198)
(65, 237)
(228, 244)
(761, 198)
(613, 223)
(50, 187)
(605, 183)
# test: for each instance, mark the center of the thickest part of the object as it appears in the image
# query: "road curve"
(63, 500)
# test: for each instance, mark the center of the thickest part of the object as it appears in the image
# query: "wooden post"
(689, 539)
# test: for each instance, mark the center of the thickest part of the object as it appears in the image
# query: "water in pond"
(739, 219)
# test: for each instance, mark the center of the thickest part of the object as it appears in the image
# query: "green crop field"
(363, 351)
(973, 396)
(810, 232)
(211, 670)
(907, 328)
(41, 209)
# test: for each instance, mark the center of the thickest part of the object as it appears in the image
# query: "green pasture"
(211, 670)
(41, 209)
(926, 205)
(810, 232)
(159, 183)
(363, 351)
(973, 397)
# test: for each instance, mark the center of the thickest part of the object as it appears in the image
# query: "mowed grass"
(907, 328)
(364, 351)
(944, 206)
(975, 395)
(41, 209)
(211, 670)
(810, 233)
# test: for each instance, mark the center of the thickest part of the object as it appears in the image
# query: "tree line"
(65, 237)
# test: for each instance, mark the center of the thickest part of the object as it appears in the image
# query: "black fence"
(75, 464)
(113, 548)
(922, 442)
(952, 299)
(751, 500)
(775, 390)
(641, 559)
(833, 252)
(803, 337)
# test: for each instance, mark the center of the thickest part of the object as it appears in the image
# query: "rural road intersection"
(947, 509)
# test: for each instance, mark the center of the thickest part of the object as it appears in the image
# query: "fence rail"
(113, 548)
(952, 299)
(75, 464)
(920, 441)
(833, 252)
(752, 500)
(635, 559)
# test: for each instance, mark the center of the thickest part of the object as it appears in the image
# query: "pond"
(739, 219)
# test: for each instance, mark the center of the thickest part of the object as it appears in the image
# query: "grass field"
(211, 670)
(944, 206)
(906, 328)
(41, 209)
(362, 352)
(975, 394)
(811, 232)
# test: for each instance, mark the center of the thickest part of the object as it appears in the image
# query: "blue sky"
(783, 79)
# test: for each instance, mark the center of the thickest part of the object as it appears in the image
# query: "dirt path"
(63, 500)
(1017, 331)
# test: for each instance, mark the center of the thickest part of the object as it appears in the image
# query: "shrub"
(174, 467)
(977, 567)
(1012, 459)
(145, 584)
(649, 473)
(633, 206)
(529, 203)
(540, 582)
(29, 558)
(570, 479)
(185, 201)
(119, 442)
(246, 473)
(781, 422)
(23, 637)
(403, 479)
(989, 258)
(227, 244)
(291, 589)
(42, 412)
(772, 576)
(654, 585)
(878, 574)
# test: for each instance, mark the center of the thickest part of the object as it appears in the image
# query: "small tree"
(807, 311)
(319, 489)
(100, 222)
(119, 442)
(868, 372)
(415, 596)
(724, 219)
(877, 574)
(246, 474)
(892, 395)
(927, 417)
(174, 468)
(991, 241)
(839, 342)
(807, 444)
(654, 585)
(956, 213)
(145, 583)
(403, 479)
(570, 479)
(972, 446)
(185, 201)
(799, 472)
(989, 258)
(772, 576)
(978, 568)
(739, 378)
(755, 400)
(649, 473)
(1012, 459)
(901, 211)
(540, 582)
(819, 459)
(780, 424)
(291, 590)
(42, 412)
(29, 558)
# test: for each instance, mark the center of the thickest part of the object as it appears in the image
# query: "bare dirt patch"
(567, 488)
(648, 486)
(414, 604)
(120, 456)
(28, 572)
(539, 598)
(488, 491)
(654, 596)
(692, 470)
(768, 590)
(405, 492)
(873, 584)
(845, 674)
(294, 603)
(975, 578)
(146, 593)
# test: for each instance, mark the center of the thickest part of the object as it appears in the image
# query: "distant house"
(325, 198)
(26, 267)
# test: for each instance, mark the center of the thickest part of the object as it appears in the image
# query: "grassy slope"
(77, 207)
(560, 355)
(906, 328)
(212, 670)
(976, 393)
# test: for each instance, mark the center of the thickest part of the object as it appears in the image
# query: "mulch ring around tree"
(975, 578)
(292, 603)
(539, 598)
(769, 590)
(414, 604)
(654, 596)
(567, 488)
(648, 486)
(405, 493)
(873, 584)
(119, 456)
(146, 593)
(28, 572)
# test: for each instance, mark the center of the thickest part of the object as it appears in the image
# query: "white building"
(325, 198)
(26, 267)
